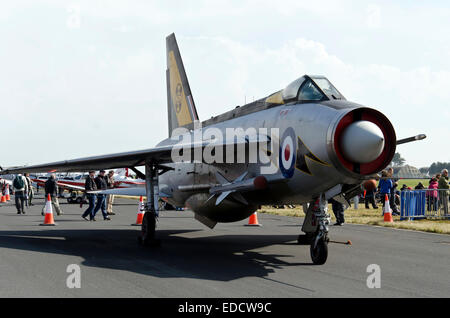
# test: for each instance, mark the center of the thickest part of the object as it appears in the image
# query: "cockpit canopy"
(310, 88)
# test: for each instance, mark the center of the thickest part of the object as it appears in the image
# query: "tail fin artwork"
(180, 104)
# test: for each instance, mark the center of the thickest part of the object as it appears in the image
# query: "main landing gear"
(316, 226)
(148, 230)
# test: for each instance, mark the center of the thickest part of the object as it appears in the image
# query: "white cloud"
(113, 66)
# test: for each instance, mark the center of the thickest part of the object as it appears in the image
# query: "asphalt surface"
(232, 260)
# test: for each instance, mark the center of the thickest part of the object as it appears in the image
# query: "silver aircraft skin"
(327, 146)
(311, 122)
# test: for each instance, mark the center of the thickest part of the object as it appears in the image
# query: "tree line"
(435, 167)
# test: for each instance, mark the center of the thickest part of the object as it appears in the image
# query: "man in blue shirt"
(385, 186)
(392, 204)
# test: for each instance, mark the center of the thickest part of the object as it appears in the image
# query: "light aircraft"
(76, 181)
(311, 142)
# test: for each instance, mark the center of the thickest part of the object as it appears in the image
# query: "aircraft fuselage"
(315, 166)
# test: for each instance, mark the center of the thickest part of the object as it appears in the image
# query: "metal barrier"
(427, 203)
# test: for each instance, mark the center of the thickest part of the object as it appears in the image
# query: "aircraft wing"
(116, 160)
(69, 186)
(160, 155)
(132, 191)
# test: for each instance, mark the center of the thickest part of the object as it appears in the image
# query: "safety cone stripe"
(140, 212)
(48, 210)
(253, 220)
(387, 213)
(8, 196)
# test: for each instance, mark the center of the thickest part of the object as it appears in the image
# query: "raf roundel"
(287, 153)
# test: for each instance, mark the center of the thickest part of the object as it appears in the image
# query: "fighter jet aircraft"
(303, 144)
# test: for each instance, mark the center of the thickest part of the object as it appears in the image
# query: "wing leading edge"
(111, 161)
(159, 155)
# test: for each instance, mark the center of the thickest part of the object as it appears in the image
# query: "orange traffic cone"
(140, 213)
(8, 197)
(387, 210)
(48, 210)
(253, 220)
(3, 198)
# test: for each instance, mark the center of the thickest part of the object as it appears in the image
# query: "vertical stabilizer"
(180, 103)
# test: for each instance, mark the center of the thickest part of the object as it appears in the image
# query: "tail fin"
(180, 104)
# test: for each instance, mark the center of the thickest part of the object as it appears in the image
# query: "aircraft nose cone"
(362, 142)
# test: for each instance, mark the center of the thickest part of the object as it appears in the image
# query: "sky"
(81, 78)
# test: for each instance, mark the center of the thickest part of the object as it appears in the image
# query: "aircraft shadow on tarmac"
(219, 258)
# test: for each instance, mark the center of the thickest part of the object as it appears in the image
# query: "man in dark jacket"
(90, 185)
(370, 198)
(52, 188)
(101, 183)
(443, 194)
(338, 210)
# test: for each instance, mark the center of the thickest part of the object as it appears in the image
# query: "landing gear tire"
(319, 254)
(147, 237)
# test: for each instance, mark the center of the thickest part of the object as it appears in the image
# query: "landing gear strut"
(148, 229)
(316, 226)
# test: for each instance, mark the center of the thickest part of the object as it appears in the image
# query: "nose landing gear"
(316, 227)
(319, 249)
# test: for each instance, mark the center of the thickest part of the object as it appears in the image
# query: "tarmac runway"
(193, 261)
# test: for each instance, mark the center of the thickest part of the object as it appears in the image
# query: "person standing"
(52, 188)
(432, 196)
(392, 203)
(443, 193)
(20, 190)
(370, 198)
(90, 185)
(385, 186)
(30, 189)
(356, 202)
(338, 210)
(419, 186)
(100, 181)
(110, 197)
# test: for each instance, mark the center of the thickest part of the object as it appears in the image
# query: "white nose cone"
(362, 142)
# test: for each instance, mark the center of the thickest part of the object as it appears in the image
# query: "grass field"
(412, 182)
(371, 217)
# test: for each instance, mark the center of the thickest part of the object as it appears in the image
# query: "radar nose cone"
(362, 142)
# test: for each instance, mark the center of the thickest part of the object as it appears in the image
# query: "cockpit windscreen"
(327, 87)
(309, 92)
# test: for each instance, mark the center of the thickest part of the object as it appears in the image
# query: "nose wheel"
(319, 250)
(315, 226)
